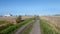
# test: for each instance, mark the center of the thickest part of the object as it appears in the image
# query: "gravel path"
(36, 28)
(19, 30)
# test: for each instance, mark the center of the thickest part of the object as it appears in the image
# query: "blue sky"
(29, 7)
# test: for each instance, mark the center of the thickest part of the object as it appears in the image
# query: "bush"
(18, 19)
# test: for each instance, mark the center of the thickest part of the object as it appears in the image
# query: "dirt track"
(19, 30)
(36, 28)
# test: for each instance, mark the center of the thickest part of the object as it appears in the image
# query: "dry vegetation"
(11, 23)
(54, 21)
(13, 18)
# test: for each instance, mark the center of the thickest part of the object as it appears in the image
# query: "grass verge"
(27, 29)
(5, 26)
(46, 28)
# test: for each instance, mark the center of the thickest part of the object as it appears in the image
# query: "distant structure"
(8, 15)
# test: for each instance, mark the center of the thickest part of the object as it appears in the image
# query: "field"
(13, 18)
(53, 21)
(7, 26)
(48, 24)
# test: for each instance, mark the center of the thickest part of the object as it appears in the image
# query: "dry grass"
(12, 19)
(53, 21)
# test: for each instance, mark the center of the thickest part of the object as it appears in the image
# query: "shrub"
(18, 19)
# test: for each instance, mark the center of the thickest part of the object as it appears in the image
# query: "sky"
(29, 7)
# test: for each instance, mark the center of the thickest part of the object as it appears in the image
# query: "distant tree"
(18, 19)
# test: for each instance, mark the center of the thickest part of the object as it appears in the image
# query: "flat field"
(53, 21)
(13, 18)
